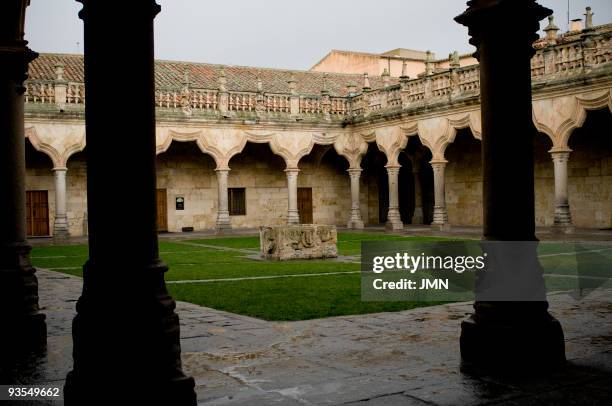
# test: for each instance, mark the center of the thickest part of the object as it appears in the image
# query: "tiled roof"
(170, 74)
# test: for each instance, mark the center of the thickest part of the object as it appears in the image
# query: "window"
(237, 201)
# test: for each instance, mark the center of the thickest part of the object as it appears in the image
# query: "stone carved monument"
(303, 241)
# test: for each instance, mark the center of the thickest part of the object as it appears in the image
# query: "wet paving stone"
(403, 358)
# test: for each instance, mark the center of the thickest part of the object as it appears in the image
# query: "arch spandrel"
(558, 117)
(391, 141)
(352, 147)
(58, 141)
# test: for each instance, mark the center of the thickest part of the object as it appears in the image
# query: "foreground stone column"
(503, 335)
(355, 221)
(417, 217)
(293, 216)
(126, 333)
(60, 225)
(563, 216)
(223, 219)
(440, 215)
(394, 220)
(23, 327)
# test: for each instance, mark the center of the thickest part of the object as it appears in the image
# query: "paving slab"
(402, 358)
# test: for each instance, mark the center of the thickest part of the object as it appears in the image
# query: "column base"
(84, 391)
(127, 335)
(60, 234)
(394, 225)
(26, 329)
(223, 223)
(293, 218)
(355, 224)
(519, 345)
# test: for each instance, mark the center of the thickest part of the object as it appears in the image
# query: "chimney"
(576, 25)
(588, 24)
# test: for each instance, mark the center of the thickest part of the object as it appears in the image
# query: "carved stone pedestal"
(304, 241)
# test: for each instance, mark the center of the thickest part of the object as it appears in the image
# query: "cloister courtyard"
(259, 332)
(183, 233)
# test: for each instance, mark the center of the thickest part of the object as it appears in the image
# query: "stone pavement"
(404, 358)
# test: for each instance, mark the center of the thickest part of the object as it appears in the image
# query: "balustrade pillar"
(394, 219)
(293, 216)
(126, 333)
(355, 221)
(440, 215)
(563, 216)
(506, 335)
(223, 219)
(60, 225)
(23, 327)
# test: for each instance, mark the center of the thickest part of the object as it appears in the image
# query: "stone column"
(440, 216)
(394, 220)
(60, 226)
(563, 216)
(126, 332)
(355, 221)
(293, 216)
(223, 219)
(508, 335)
(417, 217)
(23, 327)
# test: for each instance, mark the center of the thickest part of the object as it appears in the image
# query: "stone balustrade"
(576, 55)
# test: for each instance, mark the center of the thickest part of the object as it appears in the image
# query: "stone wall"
(464, 180)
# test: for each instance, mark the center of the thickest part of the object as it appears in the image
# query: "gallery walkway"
(403, 358)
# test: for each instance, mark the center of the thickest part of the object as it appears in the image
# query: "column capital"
(560, 156)
(59, 169)
(292, 171)
(222, 169)
(354, 170)
(486, 17)
(439, 163)
(558, 150)
(89, 6)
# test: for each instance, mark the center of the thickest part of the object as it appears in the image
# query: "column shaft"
(394, 220)
(60, 225)
(440, 215)
(223, 219)
(293, 216)
(355, 220)
(563, 216)
(508, 335)
(417, 217)
(126, 332)
(24, 328)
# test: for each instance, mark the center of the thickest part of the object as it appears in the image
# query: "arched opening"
(258, 176)
(416, 192)
(590, 172)
(463, 179)
(376, 184)
(40, 189)
(544, 181)
(186, 188)
(324, 187)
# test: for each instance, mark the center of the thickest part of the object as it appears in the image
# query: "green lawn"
(288, 298)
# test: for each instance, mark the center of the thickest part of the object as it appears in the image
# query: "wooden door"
(162, 210)
(37, 217)
(305, 204)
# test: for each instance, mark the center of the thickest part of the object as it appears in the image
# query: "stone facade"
(273, 132)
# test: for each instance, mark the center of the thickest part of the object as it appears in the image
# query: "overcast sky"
(288, 34)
